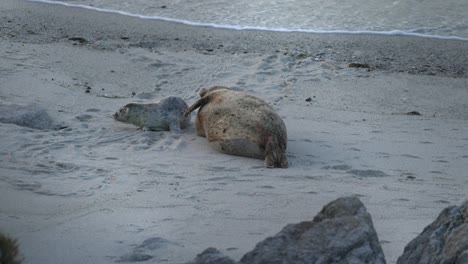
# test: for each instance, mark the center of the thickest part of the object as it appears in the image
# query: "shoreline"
(252, 28)
(408, 54)
(97, 189)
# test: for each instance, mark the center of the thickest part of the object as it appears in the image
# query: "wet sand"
(95, 190)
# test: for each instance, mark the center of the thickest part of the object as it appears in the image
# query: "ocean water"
(428, 18)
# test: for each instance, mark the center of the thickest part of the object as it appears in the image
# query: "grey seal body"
(240, 124)
(164, 115)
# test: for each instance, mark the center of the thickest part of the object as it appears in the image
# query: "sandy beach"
(94, 190)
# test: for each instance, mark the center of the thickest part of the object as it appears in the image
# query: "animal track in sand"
(93, 110)
(342, 167)
(410, 156)
(83, 118)
(426, 142)
(367, 173)
(222, 178)
(219, 168)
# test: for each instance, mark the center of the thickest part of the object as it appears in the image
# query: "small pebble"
(78, 39)
(359, 65)
(415, 113)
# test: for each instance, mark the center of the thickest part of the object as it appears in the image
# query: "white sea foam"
(410, 32)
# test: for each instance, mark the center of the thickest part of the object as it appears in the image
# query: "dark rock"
(359, 65)
(32, 116)
(308, 99)
(149, 249)
(341, 233)
(212, 256)
(78, 39)
(444, 241)
(88, 89)
(415, 113)
(154, 243)
(134, 257)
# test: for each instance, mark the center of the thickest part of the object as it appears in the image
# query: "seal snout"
(116, 115)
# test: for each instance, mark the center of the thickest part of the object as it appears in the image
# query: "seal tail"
(275, 154)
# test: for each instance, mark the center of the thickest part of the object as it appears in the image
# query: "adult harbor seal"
(166, 114)
(240, 124)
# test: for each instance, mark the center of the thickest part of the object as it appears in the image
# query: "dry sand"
(95, 191)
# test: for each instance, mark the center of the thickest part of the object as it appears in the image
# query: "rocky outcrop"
(149, 249)
(444, 241)
(212, 256)
(341, 233)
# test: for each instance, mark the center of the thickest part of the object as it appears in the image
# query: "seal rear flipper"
(283, 161)
(273, 161)
(269, 163)
(275, 156)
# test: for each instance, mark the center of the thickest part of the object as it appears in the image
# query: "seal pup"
(164, 115)
(240, 124)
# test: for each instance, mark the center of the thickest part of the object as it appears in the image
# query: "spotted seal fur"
(164, 115)
(240, 124)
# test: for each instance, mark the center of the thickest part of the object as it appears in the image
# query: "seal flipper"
(200, 103)
(275, 155)
(174, 127)
(272, 161)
